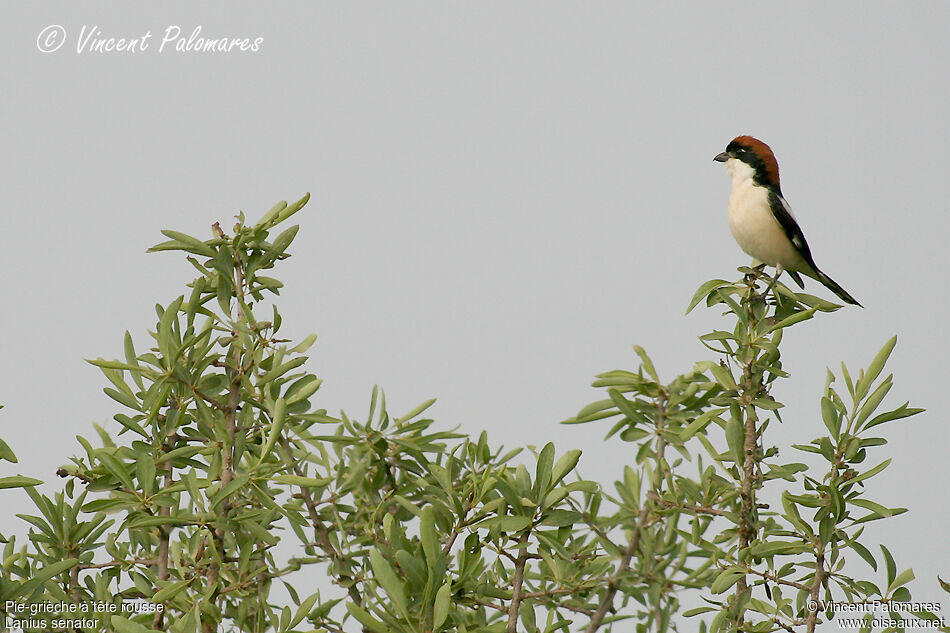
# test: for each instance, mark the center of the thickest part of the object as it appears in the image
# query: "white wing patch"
(788, 208)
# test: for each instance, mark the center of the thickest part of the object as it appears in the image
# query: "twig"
(319, 528)
(685, 506)
(779, 581)
(812, 619)
(517, 581)
(607, 602)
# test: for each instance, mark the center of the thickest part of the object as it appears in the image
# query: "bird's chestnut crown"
(757, 155)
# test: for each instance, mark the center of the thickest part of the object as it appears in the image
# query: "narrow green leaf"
(864, 553)
(902, 411)
(874, 400)
(870, 473)
(302, 389)
(41, 577)
(191, 244)
(124, 625)
(292, 208)
(735, 438)
(304, 345)
(363, 617)
(18, 481)
(830, 416)
(542, 477)
(700, 423)
(303, 482)
(704, 291)
(726, 579)
(564, 465)
(167, 593)
(874, 369)
(798, 317)
(440, 610)
(646, 363)
(902, 579)
(429, 538)
(723, 376)
(510, 524)
(271, 215)
(389, 580)
(278, 417)
(890, 565)
(416, 411)
(873, 507)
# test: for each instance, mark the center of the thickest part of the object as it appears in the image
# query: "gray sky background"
(506, 197)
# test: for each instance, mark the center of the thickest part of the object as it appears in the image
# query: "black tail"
(833, 286)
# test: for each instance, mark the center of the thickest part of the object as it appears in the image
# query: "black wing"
(783, 213)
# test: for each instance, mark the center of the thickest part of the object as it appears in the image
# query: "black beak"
(721, 158)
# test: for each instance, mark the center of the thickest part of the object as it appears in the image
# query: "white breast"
(752, 223)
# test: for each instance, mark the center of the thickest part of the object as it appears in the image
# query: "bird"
(761, 220)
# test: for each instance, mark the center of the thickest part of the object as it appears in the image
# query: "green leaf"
(40, 577)
(870, 473)
(704, 291)
(542, 477)
(561, 518)
(235, 485)
(280, 244)
(440, 610)
(700, 423)
(416, 411)
(364, 618)
(890, 565)
(771, 548)
(278, 417)
(191, 244)
(874, 369)
(646, 363)
(698, 610)
(304, 345)
(280, 370)
(7, 453)
(124, 625)
(830, 416)
(115, 468)
(723, 376)
(18, 481)
(291, 209)
(767, 403)
(873, 507)
(166, 593)
(735, 438)
(564, 465)
(302, 389)
(167, 340)
(874, 400)
(902, 579)
(389, 580)
(303, 482)
(726, 579)
(798, 317)
(428, 536)
(864, 553)
(270, 217)
(591, 411)
(902, 411)
(510, 524)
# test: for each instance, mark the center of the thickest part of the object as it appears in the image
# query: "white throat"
(739, 171)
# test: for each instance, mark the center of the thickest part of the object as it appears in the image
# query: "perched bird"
(761, 220)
